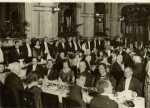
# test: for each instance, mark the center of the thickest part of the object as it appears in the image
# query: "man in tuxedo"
(84, 72)
(94, 56)
(35, 67)
(88, 44)
(51, 72)
(117, 69)
(46, 48)
(104, 75)
(14, 83)
(94, 43)
(69, 45)
(104, 87)
(61, 45)
(79, 45)
(127, 58)
(100, 44)
(15, 53)
(74, 44)
(1, 53)
(76, 93)
(128, 82)
(26, 50)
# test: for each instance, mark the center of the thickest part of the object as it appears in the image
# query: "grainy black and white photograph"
(61, 54)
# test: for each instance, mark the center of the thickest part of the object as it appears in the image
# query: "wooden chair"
(69, 103)
(27, 99)
(49, 100)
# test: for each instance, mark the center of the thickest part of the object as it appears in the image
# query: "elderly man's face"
(81, 81)
(127, 73)
(102, 69)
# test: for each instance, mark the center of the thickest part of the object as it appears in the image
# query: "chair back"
(49, 100)
(27, 99)
(69, 103)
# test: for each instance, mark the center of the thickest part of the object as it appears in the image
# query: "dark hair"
(50, 60)
(16, 42)
(105, 66)
(33, 76)
(100, 85)
(37, 40)
(66, 61)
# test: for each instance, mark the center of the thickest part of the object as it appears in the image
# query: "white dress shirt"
(99, 42)
(48, 72)
(18, 51)
(89, 44)
(70, 44)
(29, 50)
(63, 45)
(1, 56)
(127, 83)
(34, 68)
(46, 47)
(94, 44)
(75, 45)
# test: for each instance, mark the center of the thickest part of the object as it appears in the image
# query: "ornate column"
(43, 21)
(89, 20)
(114, 20)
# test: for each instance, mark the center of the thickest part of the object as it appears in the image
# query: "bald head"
(15, 67)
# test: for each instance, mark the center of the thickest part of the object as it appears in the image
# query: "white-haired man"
(13, 82)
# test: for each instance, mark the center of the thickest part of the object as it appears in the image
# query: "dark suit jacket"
(102, 101)
(60, 48)
(59, 63)
(43, 49)
(14, 55)
(101, 45)
(93, 58)
(68, 47)
(79, 48)
(24, 51)
(109, 77)
(127, 60)
(52, 75)
(39, 68)
(76, 94)
(93, 44)
(89, 78)
(88, 47)
(14, 83)
(134, 85)
(117, 72)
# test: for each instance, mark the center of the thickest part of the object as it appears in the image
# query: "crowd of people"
(110, 66)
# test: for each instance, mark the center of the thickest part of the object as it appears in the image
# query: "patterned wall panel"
(113, 26)
(89, 27)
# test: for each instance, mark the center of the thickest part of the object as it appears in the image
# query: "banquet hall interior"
(74, 54)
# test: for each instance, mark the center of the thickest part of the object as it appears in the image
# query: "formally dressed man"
(79, 45)
(100, 44)
(84, 72)
(104, 87)
(46, 48)
(94, 56)
(117, 69)
(88, 62)
(35, 67)
(69, 45)
(51, 72)
(14, 83)
(128, 82)
(61, 45)
(76, 91)
(74, 44)
(15, 53)
(88, 44)
(1, 53)
(127, 58)
(104, 75)
(94, 43)
(26, 50)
